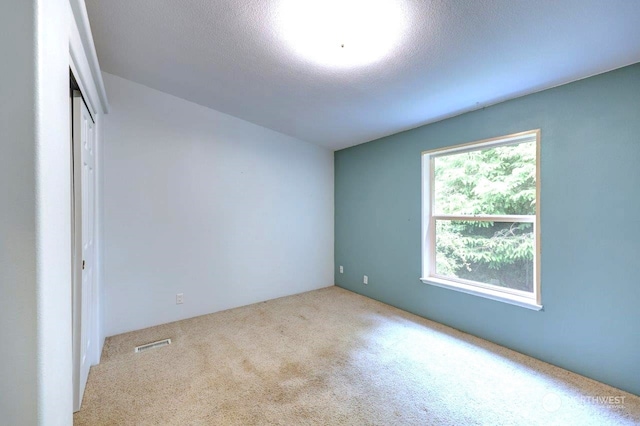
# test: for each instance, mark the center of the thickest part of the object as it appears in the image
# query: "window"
(481, 218)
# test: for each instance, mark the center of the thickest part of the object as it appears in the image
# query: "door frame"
(85, 69)
(76, 255)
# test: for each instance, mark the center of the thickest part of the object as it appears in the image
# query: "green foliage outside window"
(493, 181)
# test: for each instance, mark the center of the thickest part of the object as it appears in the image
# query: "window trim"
(429, 276)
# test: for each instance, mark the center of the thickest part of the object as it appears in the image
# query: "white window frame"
(429, 275)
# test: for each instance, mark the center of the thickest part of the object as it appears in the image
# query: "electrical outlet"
(341, 269)
(179, 298)
(365, 280)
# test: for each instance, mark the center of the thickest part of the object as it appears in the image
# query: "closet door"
(84, 287)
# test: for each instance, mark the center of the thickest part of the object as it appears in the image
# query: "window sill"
(484, 292)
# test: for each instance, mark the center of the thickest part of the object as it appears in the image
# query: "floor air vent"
(158, 344)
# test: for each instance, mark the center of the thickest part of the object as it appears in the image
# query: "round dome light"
(341, 33)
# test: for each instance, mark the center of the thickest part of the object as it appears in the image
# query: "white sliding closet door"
(84, 286)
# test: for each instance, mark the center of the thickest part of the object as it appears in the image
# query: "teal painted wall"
(590, 224)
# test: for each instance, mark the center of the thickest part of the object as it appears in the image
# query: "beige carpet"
(332, 357)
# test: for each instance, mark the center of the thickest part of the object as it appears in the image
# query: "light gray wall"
(35, 307)
(205, 204)
(17, 215)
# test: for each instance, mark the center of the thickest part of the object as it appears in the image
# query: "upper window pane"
(493, 181)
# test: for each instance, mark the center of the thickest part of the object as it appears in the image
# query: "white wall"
(35, 307)
(53, 213)
(205, 204)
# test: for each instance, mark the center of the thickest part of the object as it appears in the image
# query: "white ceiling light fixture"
(341, 33)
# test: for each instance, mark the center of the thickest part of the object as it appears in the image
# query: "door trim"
(76, 251)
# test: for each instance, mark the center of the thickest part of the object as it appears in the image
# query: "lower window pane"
(497, 253)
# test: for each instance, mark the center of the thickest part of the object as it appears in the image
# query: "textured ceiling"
(455, 56)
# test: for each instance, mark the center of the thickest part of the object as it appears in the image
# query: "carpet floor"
(332, 357)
